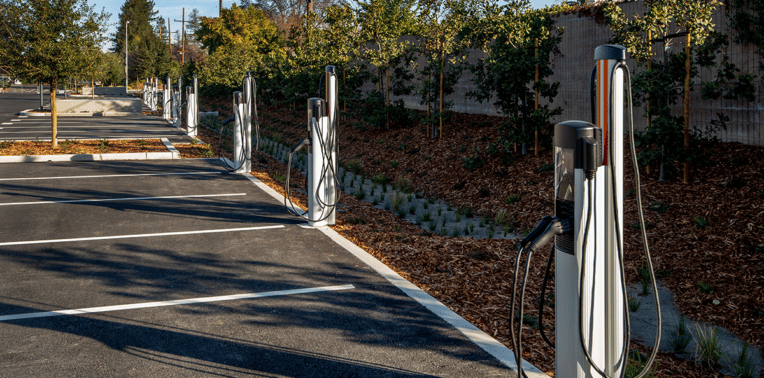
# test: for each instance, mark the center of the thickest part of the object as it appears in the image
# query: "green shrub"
(708, 350)
(681, 337)
(744, 366)
(381, 179)
(473, 163)
(354, 166)
(512, 199)
(700, 222)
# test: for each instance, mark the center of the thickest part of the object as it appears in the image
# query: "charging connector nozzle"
(590, 156)
(303, 143)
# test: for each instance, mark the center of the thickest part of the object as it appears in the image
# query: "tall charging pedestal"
(155, 95)
(332, 139)
(601, 306)
(242, 136)
(167, 100)
(191, 112)
(318, 185)
(247, 89)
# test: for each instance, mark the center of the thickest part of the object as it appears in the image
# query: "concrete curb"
(87, 157)
(30, 113)
(173, 151)
(480, 338)
(171, 154)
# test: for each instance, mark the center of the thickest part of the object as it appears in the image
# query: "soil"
(66, 147)
(473, 277)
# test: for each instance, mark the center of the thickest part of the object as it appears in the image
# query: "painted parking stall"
(176, 268)
(126, 127)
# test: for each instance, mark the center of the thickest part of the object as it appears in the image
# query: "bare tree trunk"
(387, 96)
(53, 115)
(440, 94)
(536, 103)
(688, 50)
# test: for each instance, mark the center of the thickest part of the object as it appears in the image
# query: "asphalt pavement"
(16, 127)
(179, 268)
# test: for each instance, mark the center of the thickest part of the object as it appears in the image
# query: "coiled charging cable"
(329, 168)
(618, 230)
(251, 105)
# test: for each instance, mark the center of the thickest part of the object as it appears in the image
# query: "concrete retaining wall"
(108, 91)
(106, 105)
(573, 62)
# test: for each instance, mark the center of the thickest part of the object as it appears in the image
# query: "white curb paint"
(174, 151)
(139, 235)
(87, 157)
(122, 199)
(176, 302)
(482, 339)
(109, 176)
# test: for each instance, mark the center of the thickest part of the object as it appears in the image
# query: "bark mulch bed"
(473, 277)
(66, 147)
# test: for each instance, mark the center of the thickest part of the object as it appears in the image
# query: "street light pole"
(126, 24)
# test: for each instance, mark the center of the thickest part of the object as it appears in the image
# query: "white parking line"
(23, 116)
(176, 302)
(7, 123)
(51, 241)
(15, 120)
(107, 176)
(123, 199)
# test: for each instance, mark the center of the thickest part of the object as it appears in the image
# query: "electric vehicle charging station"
(244, 107)
(591, 308)
(602, 319)
(167, 99)
(242, 135)
(322, 143)
(190, 114)
(192, 108)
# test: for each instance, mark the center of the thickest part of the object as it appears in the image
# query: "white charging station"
(242, 135)
(322, 155)
(167, 99)
(602, 313)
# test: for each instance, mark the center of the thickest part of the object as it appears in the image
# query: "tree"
(49, 41)
(443, 45)
(239, 26)
(507, 34)
(671, 22)
(193, 25)
(237, 41)
(383, 22)
(147, 52)
(288, 13)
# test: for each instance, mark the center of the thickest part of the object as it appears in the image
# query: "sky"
(173, 9)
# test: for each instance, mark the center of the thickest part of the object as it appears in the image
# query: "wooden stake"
(536, 104)
(688, 50)
(440, 108)
(53, 115)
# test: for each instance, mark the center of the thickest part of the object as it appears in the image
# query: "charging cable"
(250, 106)
(329, 169)
(547, 228)
(618, 230)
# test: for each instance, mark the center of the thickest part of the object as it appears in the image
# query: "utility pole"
(126, 24)
(183, 38)
(220, 10)
(169, 37)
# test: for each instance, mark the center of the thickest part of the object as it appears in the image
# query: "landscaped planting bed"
(66, 147)
(715, 224)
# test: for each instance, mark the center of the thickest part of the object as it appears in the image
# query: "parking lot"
(180, 269)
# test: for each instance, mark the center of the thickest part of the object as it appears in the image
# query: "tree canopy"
(237, 26)
(147, 52)
(49, 41)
